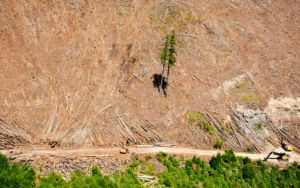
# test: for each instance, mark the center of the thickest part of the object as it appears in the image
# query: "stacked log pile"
(253, 129)
(12, 136)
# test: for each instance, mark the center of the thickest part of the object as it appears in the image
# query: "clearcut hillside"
(80, 73)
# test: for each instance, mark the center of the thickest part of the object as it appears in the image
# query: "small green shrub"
(194, 116)
(202, 121)
(161, 155)
(151, 169)
(249, 150)
(119, 12)
(218, 144)
(248, 95)
(96, 171)
(152, 18)
(253, 98)
(190, 17)
(173, 14)
(207, 127)
(241, 86)
(259, 126)
(148, 157)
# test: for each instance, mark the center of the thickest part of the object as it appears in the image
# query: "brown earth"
(79, 72)
(109, 160)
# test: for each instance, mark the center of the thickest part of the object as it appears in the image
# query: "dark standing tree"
(164, 57)
(172, 53)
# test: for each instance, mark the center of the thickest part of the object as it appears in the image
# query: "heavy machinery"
(286, 147)
(124, 149)
(280, 156)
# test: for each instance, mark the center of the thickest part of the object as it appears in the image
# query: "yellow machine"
(286, 147)
(280, 156)
(124, 149)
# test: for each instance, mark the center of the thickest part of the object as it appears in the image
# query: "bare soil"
(109, 160)
(78, 73)
(138, 150)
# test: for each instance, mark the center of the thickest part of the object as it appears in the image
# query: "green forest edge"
(225, 170)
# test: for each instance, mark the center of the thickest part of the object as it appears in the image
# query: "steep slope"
(79, 72)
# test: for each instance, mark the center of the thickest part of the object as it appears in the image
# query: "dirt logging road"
(138, 150)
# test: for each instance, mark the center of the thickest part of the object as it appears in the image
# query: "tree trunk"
(162, 76)
(167, 78)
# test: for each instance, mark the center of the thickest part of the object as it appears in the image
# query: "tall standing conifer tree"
(164, 57)
(172, 53)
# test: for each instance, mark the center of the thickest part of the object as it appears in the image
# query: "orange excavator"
(124, 149)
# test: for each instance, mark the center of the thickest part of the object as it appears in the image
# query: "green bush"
(161, 155)
(150, 169)
(216, 162)
(207, 127)
(16, 176)
(3, 162)
(248, 172)
(194, 116)
(148, 157)
(246, 160)
(53, 180)
(229, 156)
(218, 144)
(249, 150)
(201, 121)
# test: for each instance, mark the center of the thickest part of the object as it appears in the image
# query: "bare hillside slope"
(79, 72)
